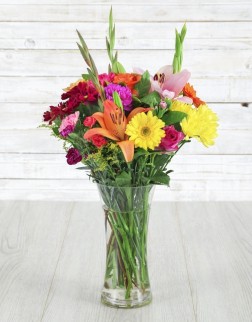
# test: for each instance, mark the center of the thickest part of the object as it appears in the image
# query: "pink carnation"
(89, 121)
(172, 138)
(68, 124)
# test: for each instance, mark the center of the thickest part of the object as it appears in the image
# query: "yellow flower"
(200, 123)
(181, 107)
(145, 130)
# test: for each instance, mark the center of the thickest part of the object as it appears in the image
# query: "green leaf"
(123, 179)
(55, 130)
(82, 168)
(57, 121)
(85, 76)
(173, 117)
(152, 99)
(160, 160)
(136, 99)
(120, 67)
(183, 33)
(117, 100)
(161, 177)
(143, 86)
(139, 152)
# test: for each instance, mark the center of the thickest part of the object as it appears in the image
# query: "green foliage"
(173, 117)
(161, 177)
(152, 99)
(123, 179)
(178, 56)
(85, 76)
(92, 70)
(115, 66)
(144, 85)
(117, 100)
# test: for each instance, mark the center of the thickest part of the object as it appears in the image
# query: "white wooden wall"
(39, 57)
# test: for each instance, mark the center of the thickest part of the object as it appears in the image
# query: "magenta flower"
(124, 93)
(105, 79)
(73, 156)
(172, 139)
(68, 124)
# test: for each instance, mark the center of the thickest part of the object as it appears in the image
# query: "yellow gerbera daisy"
(145, 130)
(200, 123)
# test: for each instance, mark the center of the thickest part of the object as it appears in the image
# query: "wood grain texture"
(47, 90)
(52, 263)
(155, 35)
(38, 58)
(218, 246)
(189, 167)
(128, 12)
(232, 116)
(22, 141)
(83, 190)
(31, 236)
(56, 62)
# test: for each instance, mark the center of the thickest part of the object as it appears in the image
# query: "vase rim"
(124, 187)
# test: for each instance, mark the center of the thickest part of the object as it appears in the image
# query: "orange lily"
(113, 124)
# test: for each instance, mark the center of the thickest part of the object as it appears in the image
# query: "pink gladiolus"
(68, 124)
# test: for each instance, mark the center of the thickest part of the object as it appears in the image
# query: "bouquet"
(125, 128)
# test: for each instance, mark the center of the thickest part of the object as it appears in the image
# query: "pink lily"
(168, 84)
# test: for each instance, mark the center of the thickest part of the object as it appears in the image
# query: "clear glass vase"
(126, 210)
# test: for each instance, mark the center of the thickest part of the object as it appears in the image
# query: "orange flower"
(113, 124)
(189, 91)
(127, 79)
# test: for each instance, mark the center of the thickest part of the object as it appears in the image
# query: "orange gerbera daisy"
(189, 91)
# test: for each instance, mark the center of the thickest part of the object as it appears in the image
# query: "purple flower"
(124, 93)
(73, 156)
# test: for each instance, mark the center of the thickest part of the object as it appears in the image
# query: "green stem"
(127, 269)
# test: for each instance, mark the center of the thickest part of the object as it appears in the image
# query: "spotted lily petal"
(176, 82)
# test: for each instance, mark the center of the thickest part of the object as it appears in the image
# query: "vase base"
(116, 298)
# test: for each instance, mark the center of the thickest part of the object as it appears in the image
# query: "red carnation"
(81, 93)
(61, 110)
(73, 156)
(89, 121)
(98, 140)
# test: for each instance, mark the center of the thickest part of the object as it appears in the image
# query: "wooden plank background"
(39, 57)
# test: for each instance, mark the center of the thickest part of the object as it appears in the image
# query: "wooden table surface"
(52, 257)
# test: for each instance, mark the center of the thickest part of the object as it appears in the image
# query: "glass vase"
(126, 210)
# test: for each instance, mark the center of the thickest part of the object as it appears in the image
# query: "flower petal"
(100, 119)
(176, 82)
(136, 111)
(184, 99)
(88, 135)
(127, 148)
(114, 119)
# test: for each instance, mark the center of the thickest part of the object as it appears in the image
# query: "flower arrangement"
(126, 127)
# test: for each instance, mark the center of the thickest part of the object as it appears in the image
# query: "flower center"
(145, 131)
